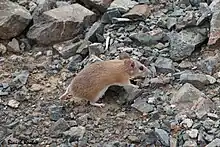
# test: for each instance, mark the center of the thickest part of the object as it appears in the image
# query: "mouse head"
(135, 68)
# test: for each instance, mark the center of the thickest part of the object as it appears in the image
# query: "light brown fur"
(91, 83)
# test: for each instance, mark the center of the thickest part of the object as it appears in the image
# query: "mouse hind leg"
(93, 102)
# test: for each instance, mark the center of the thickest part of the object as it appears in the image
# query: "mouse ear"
(130, 63)
(123, 56)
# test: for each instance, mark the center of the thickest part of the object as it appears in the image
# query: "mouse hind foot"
(101, 105)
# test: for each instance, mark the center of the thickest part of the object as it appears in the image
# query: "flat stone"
(55, 112)
(122, 5)
(164, 65)
(163, 136)
(182, 44)
(21, 77)
(68, 48)
(142, 106)
(13, 103)
(61, 24)
(138, 11)
(197, 80)
(76, 132)
(214, 143)
(14, 19)
(171, 22)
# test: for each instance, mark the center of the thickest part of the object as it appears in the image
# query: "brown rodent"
(92, 82)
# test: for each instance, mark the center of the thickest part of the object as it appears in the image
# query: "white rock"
(13, 103)
(193, 133)
(187, 123)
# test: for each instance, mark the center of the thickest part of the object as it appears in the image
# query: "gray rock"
(138, 12)
(159, 81)
(190, 143)
(3, 48)
(21, 77)
(186, 94)
(14, 20)
(215, 23)
(100, 5)
(76, 132)
(13, 46)
(122, 5)
(84, 48)
(133, 139)
(203, 106)
(197, 80)
(144, 1)
(213, 116)
(62, 3)
(183, 44)
(67, 48)
(187, 123)
(209, 64)
(58, 128)
(214, 143)
(171, 22)
(163, 136)
(13, 103)
(73, 65)
(142, 105)
(65, 23)
(109, 15)
(164, 65)
(96, 28)
(43, 6)
(209, 137)
(55, 112)
(188, 20)
(96, 49)
(149, 38)
(193, 133)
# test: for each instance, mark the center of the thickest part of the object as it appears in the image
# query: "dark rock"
(183, 44)
(55, 112)
(101, 5)
(58, 128)
(141, 105)
(149, 138)
(163, 136)
(65, 23)
(96, 49)
(109, 15)
(164, 65)
(67, 48)
(96, 28)
(73, 65)
(14, 20)
(43, 6)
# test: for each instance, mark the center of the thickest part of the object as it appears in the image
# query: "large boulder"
(13, 19)
(182, 44)
(61, 24)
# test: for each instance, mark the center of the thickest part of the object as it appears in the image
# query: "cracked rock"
(14, 20)
(61, 24)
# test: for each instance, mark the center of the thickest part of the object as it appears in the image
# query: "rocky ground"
(44, 42)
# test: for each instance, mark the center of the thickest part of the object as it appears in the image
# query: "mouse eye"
(141, 68)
